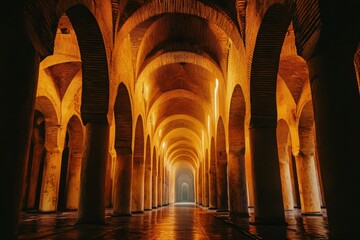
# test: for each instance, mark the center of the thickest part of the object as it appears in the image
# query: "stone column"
(222, 186)
(199, 186)
(51, 180)
(38, 152)
(205, 186)
(109, 178)
(147, 188)
(212, 188)
(137, 202)
(19, 66)
(269, 208)
(286, 183)
(122, 182)
(308, 185)
(154, 186)
(73, 183)
(172, 187)
(93, 169)
(237, 183)
(336, 101)
(160, 185)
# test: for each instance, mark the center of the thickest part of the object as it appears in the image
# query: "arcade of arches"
(135, 105)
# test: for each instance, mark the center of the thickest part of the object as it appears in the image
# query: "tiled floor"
(178, 221)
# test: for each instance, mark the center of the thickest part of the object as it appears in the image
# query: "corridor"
(177, 221)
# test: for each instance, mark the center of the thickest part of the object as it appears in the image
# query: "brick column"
(269, 208)
(93, 169)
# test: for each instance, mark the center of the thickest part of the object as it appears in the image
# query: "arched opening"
(212, 177)
(154, 179)
(285, 161)
(148, 177)
(75, 135)
(237, 174)
(221, 168)
(137, 190)
(123, 147)
(63, 175)
(184, 183)
(185, 192)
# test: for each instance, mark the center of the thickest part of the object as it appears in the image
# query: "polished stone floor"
(178, 221)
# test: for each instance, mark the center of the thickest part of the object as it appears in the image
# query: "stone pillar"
(212, 188)
(160, 183)
(122, 182)
(237, 183)
(109, 178)
(19, 66)
(154, 186)
(222, 186)
(73, 182)
(308, 185)
(147, 188)
(199, 186)
(93, 170)
(35, 171)
(51, 176)
(206, 186)
(286, 183)
(137, 202)
(172, 187)
(336, 101)
(269, 208)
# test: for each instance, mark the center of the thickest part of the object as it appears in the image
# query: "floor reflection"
(175, 222)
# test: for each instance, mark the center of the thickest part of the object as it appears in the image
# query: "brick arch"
(241, 15)
(236, 120)
(95, 85)
(123, 119)
(265, 65)
(191, 7)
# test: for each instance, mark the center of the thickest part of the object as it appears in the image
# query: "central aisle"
(179, 221)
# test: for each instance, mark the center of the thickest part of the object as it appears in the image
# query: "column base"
(222, 210)
(212, 208)
(311, 214)
(137, 212)
(268, 223)
(84, 221)
(121, 215)
(241, 215)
